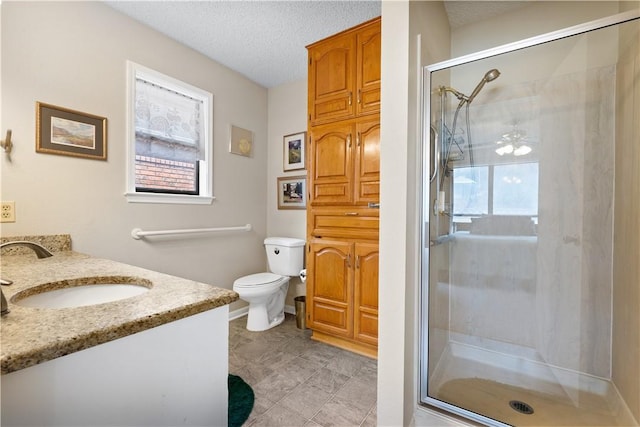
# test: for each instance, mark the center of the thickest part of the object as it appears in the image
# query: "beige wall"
(73, 54)
(287, 115)
(539, 17)
(407, 28)
(393, 311)
(626, 243)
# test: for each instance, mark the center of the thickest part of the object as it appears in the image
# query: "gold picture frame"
(70, 133)
(241, 141)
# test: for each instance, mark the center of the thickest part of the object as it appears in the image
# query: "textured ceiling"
(265, 40)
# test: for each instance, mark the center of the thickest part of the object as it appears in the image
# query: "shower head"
(490, 76)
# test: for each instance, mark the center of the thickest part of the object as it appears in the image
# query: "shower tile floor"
(300, 382)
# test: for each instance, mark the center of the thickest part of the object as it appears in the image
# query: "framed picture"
(70, 133)
(291, 192)
(294, 151)
(241, 141)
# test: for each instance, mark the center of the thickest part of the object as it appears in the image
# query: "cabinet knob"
(350, 96)
(351, 214)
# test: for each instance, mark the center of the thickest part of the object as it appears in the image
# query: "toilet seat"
(258, 279)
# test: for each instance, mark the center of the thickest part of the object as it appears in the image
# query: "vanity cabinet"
(344, 74)
(169, 375)
(343, 185)
(345, 162)
(344, 289)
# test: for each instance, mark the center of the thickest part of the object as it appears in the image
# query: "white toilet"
(265, 292)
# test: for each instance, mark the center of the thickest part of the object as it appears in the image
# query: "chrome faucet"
(41, 252)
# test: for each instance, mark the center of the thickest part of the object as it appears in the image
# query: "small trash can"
(301, 312)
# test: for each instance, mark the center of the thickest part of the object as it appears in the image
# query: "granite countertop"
(31, 335)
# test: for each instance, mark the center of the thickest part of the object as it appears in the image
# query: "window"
(504, 189)
(169, 139)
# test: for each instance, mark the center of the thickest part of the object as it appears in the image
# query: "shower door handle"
(433, 139)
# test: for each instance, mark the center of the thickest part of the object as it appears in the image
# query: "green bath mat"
(241, 399)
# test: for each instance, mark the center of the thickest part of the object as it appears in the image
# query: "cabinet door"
(330, 287)
(366, 293)
(331, 165)
(368, 45)
(367, 161)
(332, 64)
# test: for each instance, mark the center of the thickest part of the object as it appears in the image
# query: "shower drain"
(523, 408)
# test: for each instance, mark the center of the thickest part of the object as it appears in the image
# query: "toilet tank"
(285, 255)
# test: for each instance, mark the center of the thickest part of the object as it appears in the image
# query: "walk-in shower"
(521, 314)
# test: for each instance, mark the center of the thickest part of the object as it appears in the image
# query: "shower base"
(485, 382)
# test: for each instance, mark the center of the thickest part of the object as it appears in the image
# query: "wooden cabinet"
(344, 292)
(368, 46)
(366, 177)
(345, 162)
(344, 74)
(354, 223)
(331, 308)
(365, 293)
(343, 180)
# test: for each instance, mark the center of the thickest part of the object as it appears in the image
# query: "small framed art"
(291, 192)
(241, 141)
(70, 133)
(294, 151)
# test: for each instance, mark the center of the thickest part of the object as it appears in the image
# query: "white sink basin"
(81, 292)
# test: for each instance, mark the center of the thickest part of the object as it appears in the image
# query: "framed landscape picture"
(291, 192)
(71, 133)
(294, 151)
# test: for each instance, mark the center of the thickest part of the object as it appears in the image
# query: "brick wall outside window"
(154, 173)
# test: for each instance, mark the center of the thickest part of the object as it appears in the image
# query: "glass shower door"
(517, 254)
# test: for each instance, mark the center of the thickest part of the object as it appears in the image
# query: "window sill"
(181, 199)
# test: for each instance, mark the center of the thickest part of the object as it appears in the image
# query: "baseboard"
(244, 310)
(238, 313)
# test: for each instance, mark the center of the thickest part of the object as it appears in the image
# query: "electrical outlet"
(8, 212)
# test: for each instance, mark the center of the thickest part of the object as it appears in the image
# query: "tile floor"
(300, 382)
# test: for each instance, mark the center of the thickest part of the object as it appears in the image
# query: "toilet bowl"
(266, 292)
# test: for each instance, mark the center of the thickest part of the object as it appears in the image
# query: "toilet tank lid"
(284, 241)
